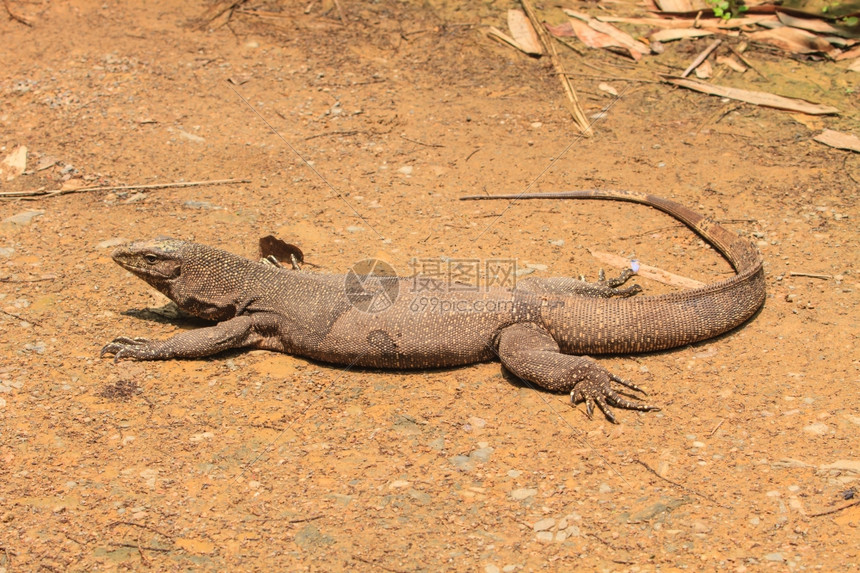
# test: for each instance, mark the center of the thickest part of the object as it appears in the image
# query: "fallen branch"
(701, 57)
(141, 547)
(757, 98)
(682, 486)
(839, 140)
(739, 52)
(835, 510)
(340, 12)
(45, 194)
(613, 78)
(575, 109)
(421, 142)
(141, 525)
(646, 271)
(810, 275)
(21, 318)
(15, 17)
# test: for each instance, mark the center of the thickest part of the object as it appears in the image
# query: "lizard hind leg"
(603, 288)
(529, 351)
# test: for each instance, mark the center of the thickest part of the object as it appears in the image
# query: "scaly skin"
(540, 330)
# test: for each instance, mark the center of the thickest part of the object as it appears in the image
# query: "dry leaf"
(735, 23)
(855, 65)
(757, 98)
(683, 5)
(812, 122)
(45, 162)
(522, 31)
(704, 70)
(732, 63)
(607, 88)
(678, 34)
(852, 53)
(563, 30)
(815, 25)
(594, 39)
(14, 164)
(652, 22)
(72, 184)
(839, 140)
(619, 35)
(497, 34)
(795, 41)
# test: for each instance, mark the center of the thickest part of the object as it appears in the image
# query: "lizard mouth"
(151, 272)
(147, 266)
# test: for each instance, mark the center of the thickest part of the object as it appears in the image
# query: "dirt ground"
(262, 461)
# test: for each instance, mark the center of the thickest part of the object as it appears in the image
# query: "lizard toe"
(123, 347)
(596, 388)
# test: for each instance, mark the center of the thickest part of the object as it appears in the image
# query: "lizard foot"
(608, 288)
(596, 387)
(124, 346)
(613, 284)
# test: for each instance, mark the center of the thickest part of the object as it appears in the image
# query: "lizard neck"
(217, 285)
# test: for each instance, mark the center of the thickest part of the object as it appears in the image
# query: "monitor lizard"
(541, 330)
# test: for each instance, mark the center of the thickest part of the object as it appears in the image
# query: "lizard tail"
(665, 321)
(740, 253)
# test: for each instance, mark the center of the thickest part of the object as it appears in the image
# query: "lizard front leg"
(238, 332)
(529, 351)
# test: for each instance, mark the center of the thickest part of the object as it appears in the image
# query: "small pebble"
(190, 136)
(523, 493)
(481, 455)
(24, 217)
(817, 429)
(111, 243)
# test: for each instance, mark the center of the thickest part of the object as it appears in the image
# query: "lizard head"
(158, 262)
(201, 280)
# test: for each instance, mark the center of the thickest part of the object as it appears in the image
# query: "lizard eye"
(151, 259)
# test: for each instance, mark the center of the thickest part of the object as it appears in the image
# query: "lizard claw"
(596, 388)
(123, 346)
(613, 284)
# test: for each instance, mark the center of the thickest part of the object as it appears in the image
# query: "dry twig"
(421, 142)
(15, 17)
(683, 487)
(835, 510)
(141, 525)
(21, 318)
(340, 12)
(702, 57)
(44, 194)
(549, 46)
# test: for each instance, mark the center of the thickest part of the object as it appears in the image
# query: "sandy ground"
(262, 461)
